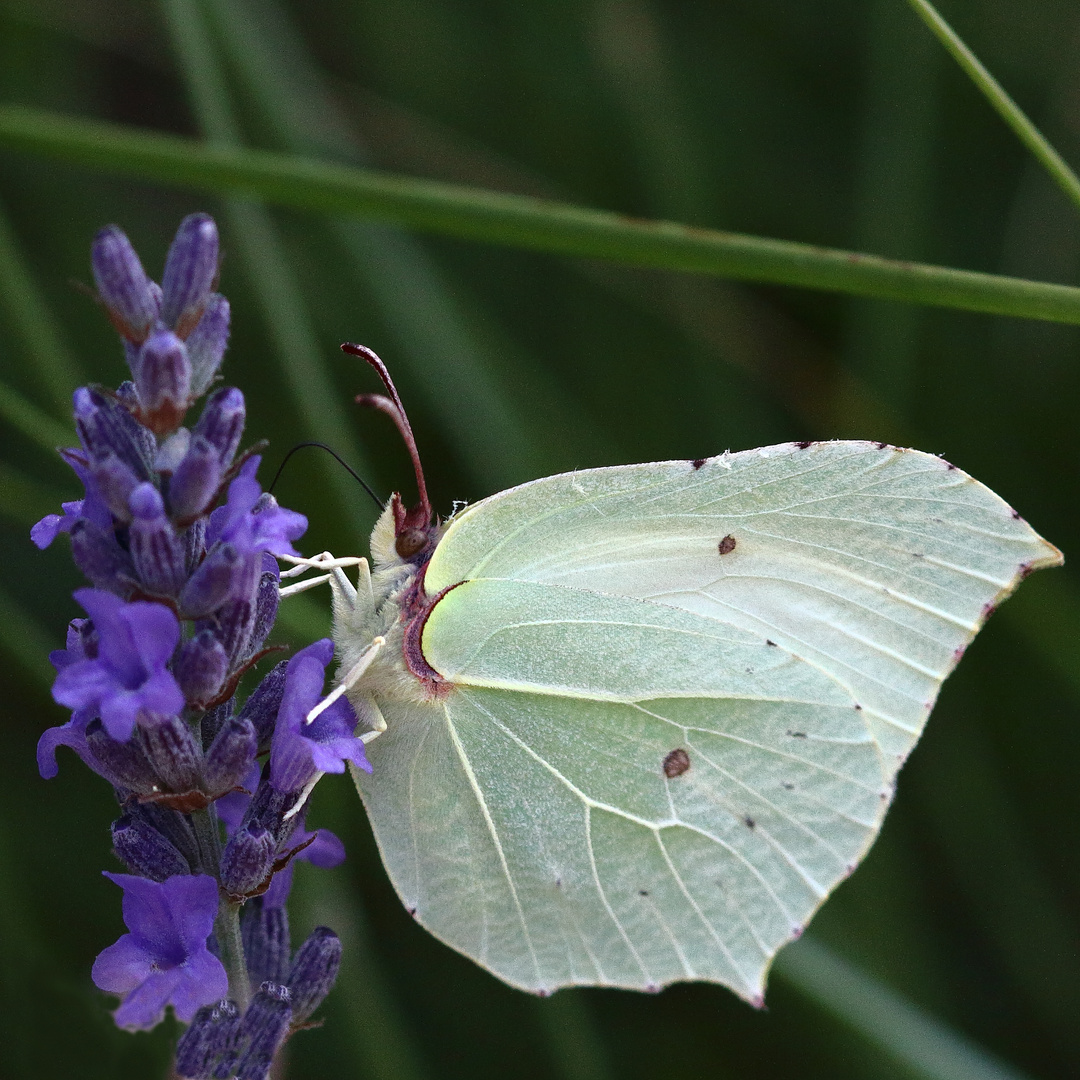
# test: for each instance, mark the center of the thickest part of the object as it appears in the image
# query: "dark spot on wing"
(643, 892)
(797, 734)
(772, 643)
(1026, 569)
(988, 610)
(1016, 515)
(698, 462)
(858, 707)
(881, 445)
(789, 787)
(543, 992)
(558, 883)
(676, 763)
(727, 545)
(797, 931)
(749, 822)
(412, 911)
(804, 445)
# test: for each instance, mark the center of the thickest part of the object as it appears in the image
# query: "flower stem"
(231, 948)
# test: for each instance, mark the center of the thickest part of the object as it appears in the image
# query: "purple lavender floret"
(164, 959)
(302, 751)
(178, 540)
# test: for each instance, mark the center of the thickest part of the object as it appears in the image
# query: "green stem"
(231, 950)
(519, 221)
(996, 94)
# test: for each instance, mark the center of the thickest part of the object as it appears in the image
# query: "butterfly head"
(415, 528)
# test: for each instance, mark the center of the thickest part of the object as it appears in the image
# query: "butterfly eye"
(410, 542)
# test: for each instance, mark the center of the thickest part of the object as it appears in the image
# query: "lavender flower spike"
(190, 269)
(163, 960)
(300, 751)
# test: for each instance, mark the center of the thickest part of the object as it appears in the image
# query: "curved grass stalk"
(1006, 108)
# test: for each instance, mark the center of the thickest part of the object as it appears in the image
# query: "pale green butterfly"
(636, 723)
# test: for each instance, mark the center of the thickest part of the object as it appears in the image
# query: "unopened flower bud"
(115, 482)
(201, 669)
(163, 380)
(190, 269)
(206, 344)
(267, 599)
(262, 704)
(313, 971)
(101, 558)
(173, 751)
(265, 932)
(247, 859)
(145, 851)
(222, 423)
(265, 1025)
(222, 575)
(123, 764)
(156, 551)
(229, 757)
(122, 284)
(106, 427)
(196, 479)
(209, 1047)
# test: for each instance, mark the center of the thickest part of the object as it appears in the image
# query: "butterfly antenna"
(396, 411)
(338, 458)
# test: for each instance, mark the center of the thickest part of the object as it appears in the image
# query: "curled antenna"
(338, 458)
(396, 411)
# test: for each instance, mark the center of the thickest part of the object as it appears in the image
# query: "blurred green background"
(837, 122)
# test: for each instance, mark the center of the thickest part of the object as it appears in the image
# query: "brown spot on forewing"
(676, 763)
(727, 545)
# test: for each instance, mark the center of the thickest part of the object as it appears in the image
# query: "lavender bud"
(267, 599)
(105, 427)
(176, 828)
(173, 751)
(221, 575)
(122, 284)
(229, 757)
(124, 765)
(163, 380)
(201, 669)
(206, 343)
(101, 558)
(115, 482)
(247, 859)
(172, 451)
(222, 423)
(262, 705)
(215, 719)
(144, 851)
(234, 622)
(265, 1025)
(210, 1041)
(196, 479)
(156, 551)
(313, 971)
(265, 932)
(190, 269)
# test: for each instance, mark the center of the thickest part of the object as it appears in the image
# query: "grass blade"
(1006, 108)
(904, 1031)
(519, 221)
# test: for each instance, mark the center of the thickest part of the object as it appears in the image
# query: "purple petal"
(326, 851)
(72, 734)
(144, 1007)
(203, 981)
(122, 966)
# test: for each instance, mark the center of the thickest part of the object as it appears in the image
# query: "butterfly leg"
(323, 561)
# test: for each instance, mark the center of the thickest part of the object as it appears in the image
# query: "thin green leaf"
(29, 420)
(902, 1029)
(519, 221)
(51, 363)
(1006, 108)
(22, 638)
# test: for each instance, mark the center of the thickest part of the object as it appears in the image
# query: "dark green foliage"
(838, 123)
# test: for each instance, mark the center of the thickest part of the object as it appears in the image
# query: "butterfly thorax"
(391, 604)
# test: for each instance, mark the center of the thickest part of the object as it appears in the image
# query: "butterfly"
(634, 724)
